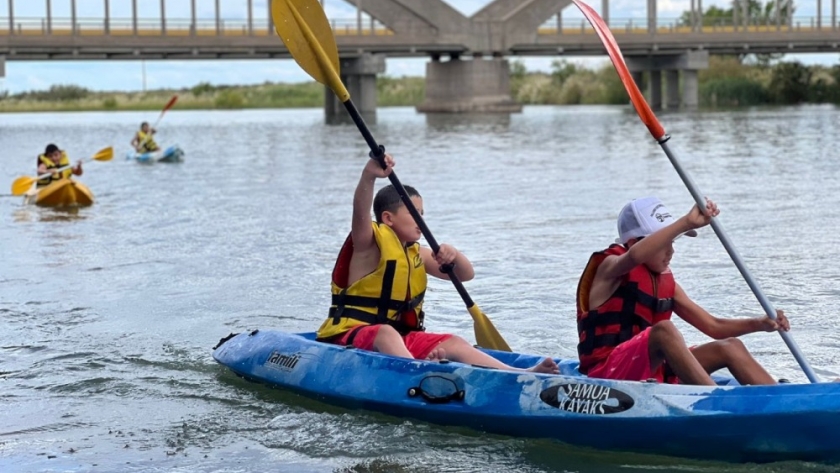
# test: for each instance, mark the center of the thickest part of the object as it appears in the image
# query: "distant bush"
(404, 91)
(110, 103)
(56, 93)
(790, 83)
(202, 88)
(732, 92)
(229, 99)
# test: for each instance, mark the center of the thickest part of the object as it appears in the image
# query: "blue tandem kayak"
(172, 154)
(728, 422)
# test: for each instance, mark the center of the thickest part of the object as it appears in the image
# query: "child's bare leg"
(665, 343)
(389, 342)
(731, 353)
(458, 349)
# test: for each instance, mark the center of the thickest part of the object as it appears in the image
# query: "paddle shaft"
(63, 168)
(736, 258)
(377, 152)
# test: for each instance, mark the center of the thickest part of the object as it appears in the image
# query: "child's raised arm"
(361, 231)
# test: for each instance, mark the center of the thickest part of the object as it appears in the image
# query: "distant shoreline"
(727, 83)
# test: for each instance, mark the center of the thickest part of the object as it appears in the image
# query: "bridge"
(467, 71)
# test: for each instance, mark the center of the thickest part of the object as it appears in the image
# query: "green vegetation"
(730, 81)
(567, 84)
(758, 13)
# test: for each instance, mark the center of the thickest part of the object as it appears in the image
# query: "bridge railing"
(680, 26)
(36, 26)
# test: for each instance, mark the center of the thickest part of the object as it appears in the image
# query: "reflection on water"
(109, 312)
(446, 121)
(30, 213)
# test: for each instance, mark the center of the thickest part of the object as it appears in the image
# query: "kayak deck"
(60, 193)
(725, 422)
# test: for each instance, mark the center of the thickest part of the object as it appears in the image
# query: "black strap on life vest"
(627, 320)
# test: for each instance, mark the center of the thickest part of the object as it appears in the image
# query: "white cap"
(643, 217)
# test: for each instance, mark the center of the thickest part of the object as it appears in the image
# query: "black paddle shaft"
(377, 152)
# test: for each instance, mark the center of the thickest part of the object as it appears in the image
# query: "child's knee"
(732, 346)
(386, 332)
(455, 341)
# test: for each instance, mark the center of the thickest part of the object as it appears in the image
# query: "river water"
(108, 314)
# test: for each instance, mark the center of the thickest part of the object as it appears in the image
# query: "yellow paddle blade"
(306, 32)
(22, 184)
(486, 335)
(104, 154)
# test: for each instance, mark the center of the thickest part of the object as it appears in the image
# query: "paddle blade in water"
(104, 154)
(306, 32)
(486, 335)
(22, 184)
(642, 107)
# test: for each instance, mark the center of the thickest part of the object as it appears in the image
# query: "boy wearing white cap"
(627, 294)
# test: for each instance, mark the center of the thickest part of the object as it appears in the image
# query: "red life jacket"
(643, 299)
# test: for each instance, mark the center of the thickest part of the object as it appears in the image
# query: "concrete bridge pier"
(468, 86)
(359, 76)
(674, 65)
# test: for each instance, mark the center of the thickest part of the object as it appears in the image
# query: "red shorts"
(419, 344)
(629, 361)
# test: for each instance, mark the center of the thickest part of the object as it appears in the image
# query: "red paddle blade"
(642, 107)
(170, 103)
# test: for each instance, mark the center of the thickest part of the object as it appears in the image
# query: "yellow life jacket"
(147, 143)
(392, 294)
(50, 164)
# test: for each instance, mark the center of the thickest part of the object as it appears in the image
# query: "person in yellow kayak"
(627, 294)
(379, 281)
(143, 141)
(54, 158)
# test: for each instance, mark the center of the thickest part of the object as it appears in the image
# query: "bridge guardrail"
(680, 26)
(35, 26)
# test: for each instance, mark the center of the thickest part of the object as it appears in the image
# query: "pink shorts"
(629, 361)
(419, 344)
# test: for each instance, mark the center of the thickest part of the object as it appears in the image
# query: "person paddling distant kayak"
(627, 294)
(143, 141)
(54, 158)
(379, 281)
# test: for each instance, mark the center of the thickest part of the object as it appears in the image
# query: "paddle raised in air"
(306, 32)
(658, 132)
(24, 183)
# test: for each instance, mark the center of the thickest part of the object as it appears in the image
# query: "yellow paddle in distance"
(306, 32)
(24, 183)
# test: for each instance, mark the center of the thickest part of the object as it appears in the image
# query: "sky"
(128, 75)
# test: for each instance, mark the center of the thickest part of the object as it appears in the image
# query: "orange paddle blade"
(642, 107)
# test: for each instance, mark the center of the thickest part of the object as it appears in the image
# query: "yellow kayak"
(61, 193)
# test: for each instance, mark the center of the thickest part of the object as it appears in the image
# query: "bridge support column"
(655, 90)
(672, 89)
(691, 89)
(359, 76)
(477, 85)
(687, 63)
(638, 78)
(2, 67)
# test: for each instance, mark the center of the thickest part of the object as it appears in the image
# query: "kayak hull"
(727, 422)
(172, 154)
(61, 193)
